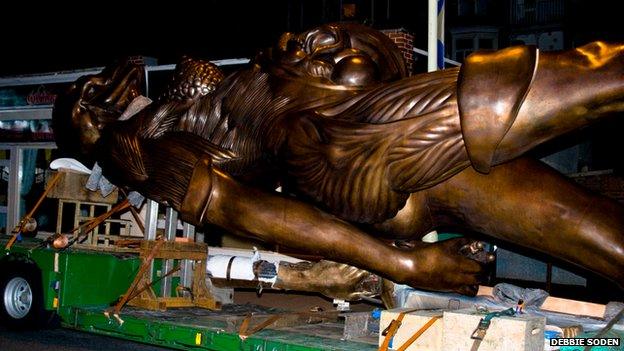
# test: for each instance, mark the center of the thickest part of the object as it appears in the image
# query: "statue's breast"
(340, 173)
(362, 162)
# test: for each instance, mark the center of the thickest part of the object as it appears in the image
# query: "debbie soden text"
(585, 342)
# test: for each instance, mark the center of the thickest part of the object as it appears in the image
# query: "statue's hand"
(443, 266)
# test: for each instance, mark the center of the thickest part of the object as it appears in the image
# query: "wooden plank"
(178, 246)
(180, 255)
(557, 304)
(154, 305)
(110, 249)
(176, 302)
(561, 305)
(280, 320)
(206, 302)
(72, 186)
(178, 250)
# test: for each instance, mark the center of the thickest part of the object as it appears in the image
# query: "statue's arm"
(186, 172)
(212, 196)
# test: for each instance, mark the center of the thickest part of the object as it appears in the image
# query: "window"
(472, 7)
(465, 44)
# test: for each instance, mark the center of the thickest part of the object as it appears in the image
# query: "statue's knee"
(491, 88)
(198, 194)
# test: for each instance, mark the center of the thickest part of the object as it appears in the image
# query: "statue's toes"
(476, 251)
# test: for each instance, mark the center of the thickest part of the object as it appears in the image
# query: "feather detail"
(363, 163)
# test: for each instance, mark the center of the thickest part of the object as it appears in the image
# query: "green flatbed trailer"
(78, 285)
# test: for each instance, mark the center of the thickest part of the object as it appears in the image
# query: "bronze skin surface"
(365, 153)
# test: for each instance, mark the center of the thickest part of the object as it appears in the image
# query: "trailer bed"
(199, 329)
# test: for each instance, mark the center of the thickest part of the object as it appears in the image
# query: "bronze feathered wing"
(361, 159)
(193, 80)
(151, 149)
(159, 168)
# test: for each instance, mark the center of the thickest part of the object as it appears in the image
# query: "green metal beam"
(183, 336)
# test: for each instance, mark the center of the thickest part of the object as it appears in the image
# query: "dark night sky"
(41, 38)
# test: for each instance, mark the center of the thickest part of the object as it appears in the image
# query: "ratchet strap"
(20, 226)
(244, 331)
(479, 333)
(394, 326)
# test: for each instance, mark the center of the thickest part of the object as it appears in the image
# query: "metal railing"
(537, 12)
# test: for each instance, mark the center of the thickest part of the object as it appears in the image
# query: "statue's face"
(350, 56)
(94, 101)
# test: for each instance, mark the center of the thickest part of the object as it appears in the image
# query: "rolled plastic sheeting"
(70, 163)
(240, 268)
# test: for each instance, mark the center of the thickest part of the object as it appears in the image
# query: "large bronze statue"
(364, 153)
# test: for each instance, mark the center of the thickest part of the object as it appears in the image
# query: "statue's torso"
(360, 166)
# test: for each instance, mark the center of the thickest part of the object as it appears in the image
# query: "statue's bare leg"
(215, 198)
(568, 90)
(525, 202)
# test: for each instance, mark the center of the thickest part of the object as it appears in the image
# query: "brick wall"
(405, 41)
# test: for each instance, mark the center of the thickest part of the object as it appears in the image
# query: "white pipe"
(441, 15)
(446, 59)
(71, 76)
(224, 62)
(432, 62)
(432, 36)
(241, 262)
(270, 256)
(240, 268)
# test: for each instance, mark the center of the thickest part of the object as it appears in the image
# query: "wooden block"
(430, 340)
(71, 186)
(557, 304)
(176, 302)
(148, 304)
(207, 303)
(517, 333)
(177, 250)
